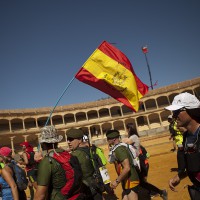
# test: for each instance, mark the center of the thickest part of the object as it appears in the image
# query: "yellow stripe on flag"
(105, 68)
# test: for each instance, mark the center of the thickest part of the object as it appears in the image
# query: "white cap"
(184, 100)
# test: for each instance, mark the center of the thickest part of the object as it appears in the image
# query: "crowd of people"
(80, 172)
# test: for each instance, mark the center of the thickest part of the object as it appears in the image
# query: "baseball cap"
(5, 151)
(74, 133)
(184, 100)
(26, 144)
(111, 134)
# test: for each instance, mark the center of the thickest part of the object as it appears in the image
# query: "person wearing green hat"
(127, 174)
(82, 152)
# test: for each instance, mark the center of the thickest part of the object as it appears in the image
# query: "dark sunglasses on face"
(177, 112)
(70, 139)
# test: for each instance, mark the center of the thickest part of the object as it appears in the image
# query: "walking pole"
(145, 51)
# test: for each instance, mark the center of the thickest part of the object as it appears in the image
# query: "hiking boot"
(154, 194)
(163, 195)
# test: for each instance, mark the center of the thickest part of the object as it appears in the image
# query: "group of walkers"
(80, 172)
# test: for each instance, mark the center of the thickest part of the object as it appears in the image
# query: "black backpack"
(19, 176)
(96, 162)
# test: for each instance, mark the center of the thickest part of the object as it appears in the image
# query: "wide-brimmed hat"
(5, 151)
(184, 100)
(49, 135)
(111, 134)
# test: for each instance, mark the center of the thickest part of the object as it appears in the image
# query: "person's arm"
(43, 179)
(129, 140)
(126, 168)
(173, 182)
(7, 174)
(41, 192)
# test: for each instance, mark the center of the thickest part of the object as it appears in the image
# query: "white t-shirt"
(136, 142)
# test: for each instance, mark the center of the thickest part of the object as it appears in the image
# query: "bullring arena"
(94, 118)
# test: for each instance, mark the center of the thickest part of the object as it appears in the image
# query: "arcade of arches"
(94, 118)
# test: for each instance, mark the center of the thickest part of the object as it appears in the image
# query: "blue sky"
(44, 43)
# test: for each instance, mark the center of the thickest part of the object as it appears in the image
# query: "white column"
(12, 144)
(25, 137)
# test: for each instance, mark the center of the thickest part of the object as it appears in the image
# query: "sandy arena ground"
(163, 166)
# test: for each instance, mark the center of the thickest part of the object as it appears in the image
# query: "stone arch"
(142, 123)
(104, 112)
(4, 125)
(80, 116)
(69, 118)
(119, 125)
(154, 120)
(162, 101)
(92, 114)
(16, 124)
(126, 110)
(30, 123)
(150, 104)
(164, 117)
(105, 127)
(95, 130)
(57, 119)
(42, 121)
(115, 111)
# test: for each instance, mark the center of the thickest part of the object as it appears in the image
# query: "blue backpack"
(19, 176)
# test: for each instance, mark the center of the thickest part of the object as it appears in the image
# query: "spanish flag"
(110, 71)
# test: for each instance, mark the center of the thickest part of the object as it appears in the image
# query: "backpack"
(99, 162)
(132, 152)
(97, 165)
(143, 157)
(73, 173)
(19, 176)
(96, 150)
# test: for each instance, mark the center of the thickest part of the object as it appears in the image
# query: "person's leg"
(31, 192)
(153, 189)
(132, 195)
(174, 144)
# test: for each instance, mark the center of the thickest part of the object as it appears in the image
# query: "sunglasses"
(70, 139)
(177, 112)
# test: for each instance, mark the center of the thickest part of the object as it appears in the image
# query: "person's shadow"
(174, 169)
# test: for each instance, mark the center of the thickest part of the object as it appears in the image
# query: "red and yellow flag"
(110, 71)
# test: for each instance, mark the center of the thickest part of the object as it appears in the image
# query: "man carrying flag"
(110, 71)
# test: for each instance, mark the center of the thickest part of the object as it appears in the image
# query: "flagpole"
(145, 51)
(59, 100)
(149, 70)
